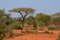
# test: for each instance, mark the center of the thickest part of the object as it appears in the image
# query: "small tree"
(43, 18)
(23, 12)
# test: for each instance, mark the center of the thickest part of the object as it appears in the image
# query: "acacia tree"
(24, 12)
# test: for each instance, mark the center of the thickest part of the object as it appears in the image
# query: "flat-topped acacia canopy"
(25, 10)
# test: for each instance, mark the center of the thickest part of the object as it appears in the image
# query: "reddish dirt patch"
(36, 36)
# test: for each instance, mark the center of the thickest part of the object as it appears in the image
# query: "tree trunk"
(23, 25)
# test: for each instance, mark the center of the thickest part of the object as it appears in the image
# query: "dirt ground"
(35, 36)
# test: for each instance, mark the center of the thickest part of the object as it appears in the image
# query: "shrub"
(51, 28)
(3, 30)
(15, 25)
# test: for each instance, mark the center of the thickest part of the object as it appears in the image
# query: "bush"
(16, 25)
(3, 30)
(51, 28)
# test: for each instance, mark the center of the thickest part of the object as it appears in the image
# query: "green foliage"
(15, 25)
(31, 20)
(41, 23)
(43, 18)
(4, 28)
(51, 28)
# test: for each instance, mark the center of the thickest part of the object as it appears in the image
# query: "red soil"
(35, 36)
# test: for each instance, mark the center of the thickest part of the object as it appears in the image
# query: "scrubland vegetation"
(27, 23)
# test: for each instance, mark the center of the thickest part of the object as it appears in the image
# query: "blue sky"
(44, 6)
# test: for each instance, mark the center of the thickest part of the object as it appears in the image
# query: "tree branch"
(21, 14)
